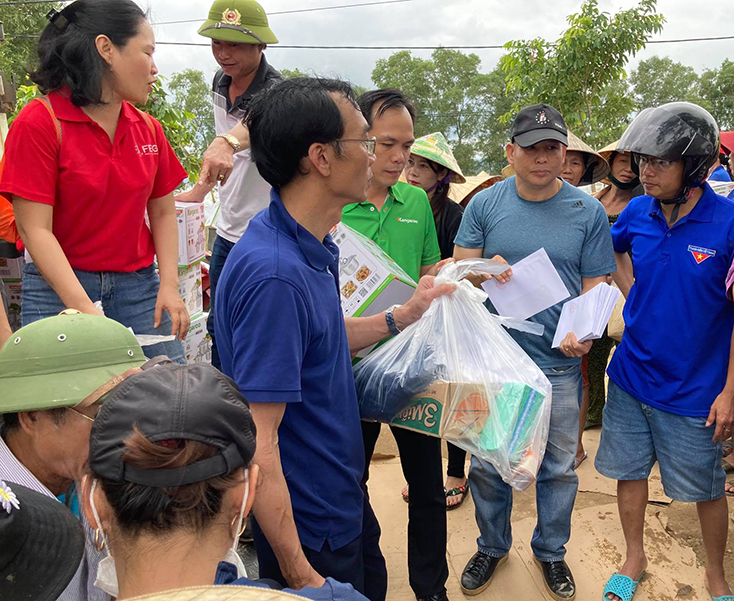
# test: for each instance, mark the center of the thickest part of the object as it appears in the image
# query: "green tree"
(659, 80)
(178, 126)
(452, 96)
(290, 73)
(18, 54)
(717, 88)
(192, 93)
(574, 73)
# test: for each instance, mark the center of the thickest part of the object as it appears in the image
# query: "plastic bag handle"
(529, 327)
(457, 271)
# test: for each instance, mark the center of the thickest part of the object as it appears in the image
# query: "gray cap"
(171, 403)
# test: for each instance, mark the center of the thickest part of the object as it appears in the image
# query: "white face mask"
(107, 573)
(232, 556)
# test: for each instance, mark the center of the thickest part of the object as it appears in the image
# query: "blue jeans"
(220, 252)
(555, 488)
(635, 436)
(126, 297)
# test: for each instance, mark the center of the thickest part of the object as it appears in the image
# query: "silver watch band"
(390, 319)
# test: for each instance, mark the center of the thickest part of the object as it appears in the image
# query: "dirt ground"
(595, 551)
(672, 537)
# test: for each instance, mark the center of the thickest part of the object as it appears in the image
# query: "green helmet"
(59, 361)
(238, 21)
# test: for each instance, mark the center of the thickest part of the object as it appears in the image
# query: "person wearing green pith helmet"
(239, 33)
(54, 374)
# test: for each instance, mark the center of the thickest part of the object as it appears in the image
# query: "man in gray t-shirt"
(511, 220)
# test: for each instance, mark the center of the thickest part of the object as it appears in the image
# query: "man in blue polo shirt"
(671, 390)
(284, 341)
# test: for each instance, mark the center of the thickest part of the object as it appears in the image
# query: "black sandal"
(455, 492)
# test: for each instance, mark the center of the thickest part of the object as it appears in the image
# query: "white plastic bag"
(457, 374)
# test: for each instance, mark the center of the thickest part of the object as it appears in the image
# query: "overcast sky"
(431, 22)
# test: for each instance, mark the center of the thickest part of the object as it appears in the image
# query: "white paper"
(587, 315)
(534, 287)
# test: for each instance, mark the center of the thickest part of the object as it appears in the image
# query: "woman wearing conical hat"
(433, 168)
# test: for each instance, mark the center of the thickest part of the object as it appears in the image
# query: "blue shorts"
(634, 436)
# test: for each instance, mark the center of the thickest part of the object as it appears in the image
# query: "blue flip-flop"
(623, 587)
(722, 598)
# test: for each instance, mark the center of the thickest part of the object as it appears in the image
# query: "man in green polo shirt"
(398, 217)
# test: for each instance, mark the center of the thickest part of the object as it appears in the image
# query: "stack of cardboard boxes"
(191, 252)
(11, 272)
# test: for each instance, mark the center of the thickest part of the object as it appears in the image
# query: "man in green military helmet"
(54, 374)
(239, 32)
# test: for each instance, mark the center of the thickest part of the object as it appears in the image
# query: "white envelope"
(534, 287)
(587, 316)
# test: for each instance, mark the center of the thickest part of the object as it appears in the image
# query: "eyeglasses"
(85, 416)
(657, 164)
(368, 144)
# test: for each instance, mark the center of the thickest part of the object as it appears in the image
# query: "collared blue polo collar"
(703, 212)
(319, 254)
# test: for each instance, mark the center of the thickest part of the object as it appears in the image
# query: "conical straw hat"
(434, 147)
(458, 192)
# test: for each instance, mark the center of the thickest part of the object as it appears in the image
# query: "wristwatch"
(390, 319)
(232, 141)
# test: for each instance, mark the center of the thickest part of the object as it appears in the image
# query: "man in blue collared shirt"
(283, 339)
(671, 391)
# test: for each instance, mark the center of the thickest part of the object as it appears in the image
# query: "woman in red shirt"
(84, 169)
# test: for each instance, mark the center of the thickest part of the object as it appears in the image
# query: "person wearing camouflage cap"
(54, 374)
(239, 33)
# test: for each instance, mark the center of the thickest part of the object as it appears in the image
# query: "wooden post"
(7, 104)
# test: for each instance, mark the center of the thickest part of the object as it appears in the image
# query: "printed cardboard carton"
(11, 269)
(189, 288)
(191, 232)
(13, 296)
(369, 280)
(198, 343)
(452, 409)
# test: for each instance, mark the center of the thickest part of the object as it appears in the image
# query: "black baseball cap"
(42, 544)
(539, 122)
(173, 402)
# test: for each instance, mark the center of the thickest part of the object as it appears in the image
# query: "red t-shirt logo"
(146, 150)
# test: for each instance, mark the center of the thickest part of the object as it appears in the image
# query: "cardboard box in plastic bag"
(430, 411)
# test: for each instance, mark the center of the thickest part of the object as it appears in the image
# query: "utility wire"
(282, 12)
(478, 47)
(33, 2)
(298, 10)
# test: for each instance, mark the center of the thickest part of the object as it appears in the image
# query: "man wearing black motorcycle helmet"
(671, 390)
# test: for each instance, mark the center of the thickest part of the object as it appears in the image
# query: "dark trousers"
(457, 461)
(220, 252)
(598, 360)
(420, 457)
(359, 563)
